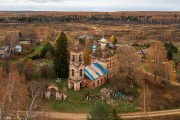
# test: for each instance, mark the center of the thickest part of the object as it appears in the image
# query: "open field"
(125, 33)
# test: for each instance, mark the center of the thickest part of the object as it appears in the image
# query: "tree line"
(125, 17)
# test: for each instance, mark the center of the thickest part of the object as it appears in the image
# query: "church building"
(102, 67)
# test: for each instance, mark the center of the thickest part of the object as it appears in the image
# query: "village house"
(25, 42)
(4, 51)
(142, 54)
(18, 48)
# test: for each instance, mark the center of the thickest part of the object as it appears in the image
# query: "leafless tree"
(130, 66)
(128, 60)
(13, 92)
(35, 90)
(16, 97)
(12, 40)
(156, 56)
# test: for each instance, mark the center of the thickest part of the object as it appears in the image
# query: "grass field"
(146, 67)
(75, 103)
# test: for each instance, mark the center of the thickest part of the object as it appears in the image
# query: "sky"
(90, 5)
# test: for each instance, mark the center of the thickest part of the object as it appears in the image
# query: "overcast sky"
(91, 5)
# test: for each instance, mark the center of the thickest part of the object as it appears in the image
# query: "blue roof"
(95, 71)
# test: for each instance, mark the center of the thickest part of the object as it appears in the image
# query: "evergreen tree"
(169, 54)
(61, 62)
(115, 40)
(47, 48)
(170, 46)
(82, 41)
(171, 50)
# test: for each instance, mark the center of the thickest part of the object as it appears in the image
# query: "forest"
(118, 17)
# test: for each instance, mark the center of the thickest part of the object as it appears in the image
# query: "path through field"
(83, 116)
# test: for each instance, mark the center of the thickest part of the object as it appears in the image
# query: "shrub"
(35, 57)
(25, 52)
(48, 55)
(47, 48)
(102, 111)
(46, 72)
(29, 69)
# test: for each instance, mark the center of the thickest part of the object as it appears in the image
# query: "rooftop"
(95, 71)
(102, 54)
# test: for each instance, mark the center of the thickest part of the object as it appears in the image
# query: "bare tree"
(35, 90)
(128, 60)
(12, 40)
(13, 93)
(130, 66)
(16, 97)
(156, 56)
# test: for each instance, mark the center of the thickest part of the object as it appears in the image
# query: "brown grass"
(125, 33)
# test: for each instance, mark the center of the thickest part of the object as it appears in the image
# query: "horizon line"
(87, 11)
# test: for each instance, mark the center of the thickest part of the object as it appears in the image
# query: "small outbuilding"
(18, 48)
(4, 51)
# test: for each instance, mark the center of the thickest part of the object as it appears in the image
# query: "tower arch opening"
(73, 58)
(80, 57)
(80, 72)
(73, 72)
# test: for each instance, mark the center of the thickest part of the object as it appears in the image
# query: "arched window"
(73, 58)
(80, 57)
(81, 72)
(98, 82)
(72, 72)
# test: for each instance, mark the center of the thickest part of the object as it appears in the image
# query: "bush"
(48, 55)
(25, 52)
(46, 72)
(86, 93)
(35, 57)
(102, 111)
(26, 47)
(29, 69)
(47, 48)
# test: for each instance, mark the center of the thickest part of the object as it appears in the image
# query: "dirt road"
(83, 116)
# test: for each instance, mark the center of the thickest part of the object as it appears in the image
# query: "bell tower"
(76, 67)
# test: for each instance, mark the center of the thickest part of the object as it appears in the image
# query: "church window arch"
(81, 72)
(80, 57)
(73, 72)
(73, 58)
